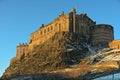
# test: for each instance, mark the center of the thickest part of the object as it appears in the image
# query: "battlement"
(22, 44)
(22, 49)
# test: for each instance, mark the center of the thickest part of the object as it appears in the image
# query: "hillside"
(65, 56)
(61, 51)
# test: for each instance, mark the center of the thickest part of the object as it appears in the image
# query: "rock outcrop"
(60, 51)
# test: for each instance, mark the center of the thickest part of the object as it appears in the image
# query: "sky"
(19, 18)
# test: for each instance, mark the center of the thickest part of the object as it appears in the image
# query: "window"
(51, 28)
(44, 31)
(41, 32)
(48, 29)
(59, 27)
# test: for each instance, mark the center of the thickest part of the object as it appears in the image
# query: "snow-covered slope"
(104, 55)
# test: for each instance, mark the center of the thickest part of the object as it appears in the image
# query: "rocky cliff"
(61, 51)
(65, 56)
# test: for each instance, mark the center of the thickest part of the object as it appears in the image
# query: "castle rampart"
(99, 35)
(21, 50)
(40, 36)
(71, 22)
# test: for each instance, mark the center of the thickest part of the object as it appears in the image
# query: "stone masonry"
(115, 44)
(98, 35)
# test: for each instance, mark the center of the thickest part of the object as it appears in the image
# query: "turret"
(21, 49)
(74, 19)
(42, 25)
(73, 10)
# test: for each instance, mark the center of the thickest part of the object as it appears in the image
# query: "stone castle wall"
(72, 22)
(21, 50)
(115, 44)
(102, 34)
(45, 32)
(83, 24)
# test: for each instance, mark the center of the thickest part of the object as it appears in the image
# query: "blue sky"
(19, 18)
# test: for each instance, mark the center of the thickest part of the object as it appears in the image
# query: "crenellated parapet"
(22, 49)
(21, 52)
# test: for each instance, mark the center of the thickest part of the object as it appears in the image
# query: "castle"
(98, 34)
(115, 44)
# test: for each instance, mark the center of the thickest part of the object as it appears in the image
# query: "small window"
(51, 27)
(41, 32)
(44, 31)
(59, 27)
(48, 29)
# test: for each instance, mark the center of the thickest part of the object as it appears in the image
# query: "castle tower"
(74, 14)
(72, 22)
(21, 50)
(73, 10)
(102, 34)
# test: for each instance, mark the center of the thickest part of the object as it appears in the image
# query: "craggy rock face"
(60, 51)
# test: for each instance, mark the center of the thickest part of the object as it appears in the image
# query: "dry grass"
(81, 70)
(74, 72)
(109, 65)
